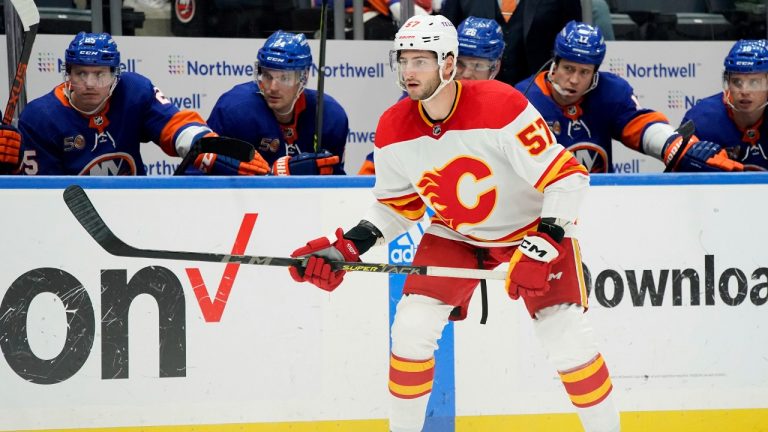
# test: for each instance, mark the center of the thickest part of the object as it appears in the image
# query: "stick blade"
(687, 129)
(82, 208)
(28, 13)
(226, 146)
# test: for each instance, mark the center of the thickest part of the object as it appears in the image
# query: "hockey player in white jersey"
(484, 160)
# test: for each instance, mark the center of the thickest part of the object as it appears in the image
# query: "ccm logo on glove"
(530, 268)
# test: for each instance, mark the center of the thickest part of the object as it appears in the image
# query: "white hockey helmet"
(433, 33)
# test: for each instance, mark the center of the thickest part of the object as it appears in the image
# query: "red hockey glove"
(318, 272)
(10, 149)
(530, 266)
(306, 164)
(697, 156)
(211, 163)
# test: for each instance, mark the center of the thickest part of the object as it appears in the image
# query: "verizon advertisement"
(678, 292)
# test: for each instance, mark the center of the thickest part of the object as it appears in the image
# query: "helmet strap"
(556, 86)
(494, 69)
(68, 93)
(302, 85)
(727, 98)
(443, 82)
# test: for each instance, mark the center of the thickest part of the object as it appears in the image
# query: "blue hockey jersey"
(714, 122)
(242, 113)
(609, 111)
(59, 140)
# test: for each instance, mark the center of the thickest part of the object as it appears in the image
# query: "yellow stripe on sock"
(581, 374)
(411, 366)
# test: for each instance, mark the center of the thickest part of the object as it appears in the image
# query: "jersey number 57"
(536, 137)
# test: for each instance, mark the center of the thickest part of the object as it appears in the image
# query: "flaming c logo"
(443, 186)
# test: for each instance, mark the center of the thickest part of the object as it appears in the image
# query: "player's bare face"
(279, 88)
(90, 86)
(419, 70)
(474, 68)
(573, 80)
(748, 92)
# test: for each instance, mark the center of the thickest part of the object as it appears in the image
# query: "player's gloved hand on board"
(697, 156)
(211, 163)
(10, 149)
(318, 272)
(321, 163)
(531, 264)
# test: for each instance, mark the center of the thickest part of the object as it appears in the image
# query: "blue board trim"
(201, 182)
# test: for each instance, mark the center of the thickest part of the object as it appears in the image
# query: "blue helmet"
(93, 49)
(747, 56)
(580, 43)
(286, 51)
(480, 37)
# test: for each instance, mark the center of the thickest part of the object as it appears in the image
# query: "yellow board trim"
(736, 420)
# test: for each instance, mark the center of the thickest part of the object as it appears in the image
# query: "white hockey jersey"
(490, 170)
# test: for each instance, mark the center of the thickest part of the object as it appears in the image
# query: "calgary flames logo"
(448, 193)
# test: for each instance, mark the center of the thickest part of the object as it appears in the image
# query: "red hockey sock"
(409, 379)
(589, 384)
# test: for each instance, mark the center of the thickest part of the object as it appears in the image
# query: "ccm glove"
(531, 264)
(211, 163)
(318, 271)
(697, 156)
(10, 149)
(306, 164)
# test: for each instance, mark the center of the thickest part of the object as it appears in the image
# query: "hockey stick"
(225, 146)
(321, 78)
(85, 213)
(30, 18)
(686, 130)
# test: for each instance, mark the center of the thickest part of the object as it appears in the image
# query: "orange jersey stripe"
(59, 92)
(569, 168)
(178, 121)
(368, 168)
(632, 134)
(564, 165)
(541, 82)
(409, 206)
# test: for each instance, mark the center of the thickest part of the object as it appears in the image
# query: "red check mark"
(213, 309)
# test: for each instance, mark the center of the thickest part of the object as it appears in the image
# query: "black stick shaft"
(85, 213)
(321, 78)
